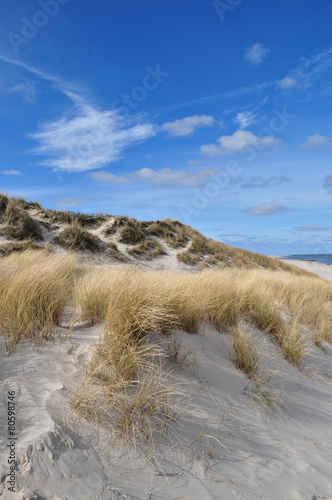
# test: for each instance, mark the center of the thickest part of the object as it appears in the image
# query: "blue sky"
(216, 113)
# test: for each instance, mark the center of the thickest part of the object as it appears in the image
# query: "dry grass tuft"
(34, 289)
(17, 223)
(245, 354)
(75, 238)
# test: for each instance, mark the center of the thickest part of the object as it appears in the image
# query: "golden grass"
(278, 303)
(135, 304)
(73, 237)
(34, 290)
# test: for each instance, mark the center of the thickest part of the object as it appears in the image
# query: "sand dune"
(223, 447)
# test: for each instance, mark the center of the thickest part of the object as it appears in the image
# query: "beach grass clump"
(245, 354)
(173, 232)
(92, 292)
(149, 249)
(74, 238)
(136, 399)
(17, 223)
(34, 289)
(115, 252)
(134, 306)
(133, 232)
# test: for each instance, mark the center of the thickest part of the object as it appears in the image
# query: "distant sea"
(323, 258)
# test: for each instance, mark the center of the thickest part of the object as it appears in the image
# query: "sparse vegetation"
(75, 238)
(115, 252)
(17, 223)
(133, 232)
(148, 248)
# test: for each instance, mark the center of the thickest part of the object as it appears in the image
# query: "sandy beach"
(322, 270)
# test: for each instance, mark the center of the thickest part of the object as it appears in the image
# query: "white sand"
(245, 456)
(323, 270)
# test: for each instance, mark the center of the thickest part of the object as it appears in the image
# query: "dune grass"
(278, 303)
(73, 237)
(292, 310)
(17, 223)
(34, 290)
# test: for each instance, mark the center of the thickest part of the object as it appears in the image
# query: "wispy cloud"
(90, 139)
(187, 126)
(11, 172)
(311, 228)
(256, 53)
(86, 138)
(245, 118)
(304, 74)
(261, 182)
(267, 209)
(233, 94)
(63, 86)
(301, 75)
(26, 90)
(175, 178)
(316, 141)
(104, 176)
(240, 141)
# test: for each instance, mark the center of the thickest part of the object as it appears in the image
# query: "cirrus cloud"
(88, 140)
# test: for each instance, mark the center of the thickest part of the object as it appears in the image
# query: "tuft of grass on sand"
(149, 249)
(73, 237)
(17, 223)
(34, 290)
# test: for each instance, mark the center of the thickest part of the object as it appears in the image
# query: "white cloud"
(173, 178)
(11, 172)
(104, 176)
(267, 209)
(241, 140)
(26, 90)
(287, 83)
(245, 118)
(316, 141)
(256, 53)
(187, 126)
(88, 140)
